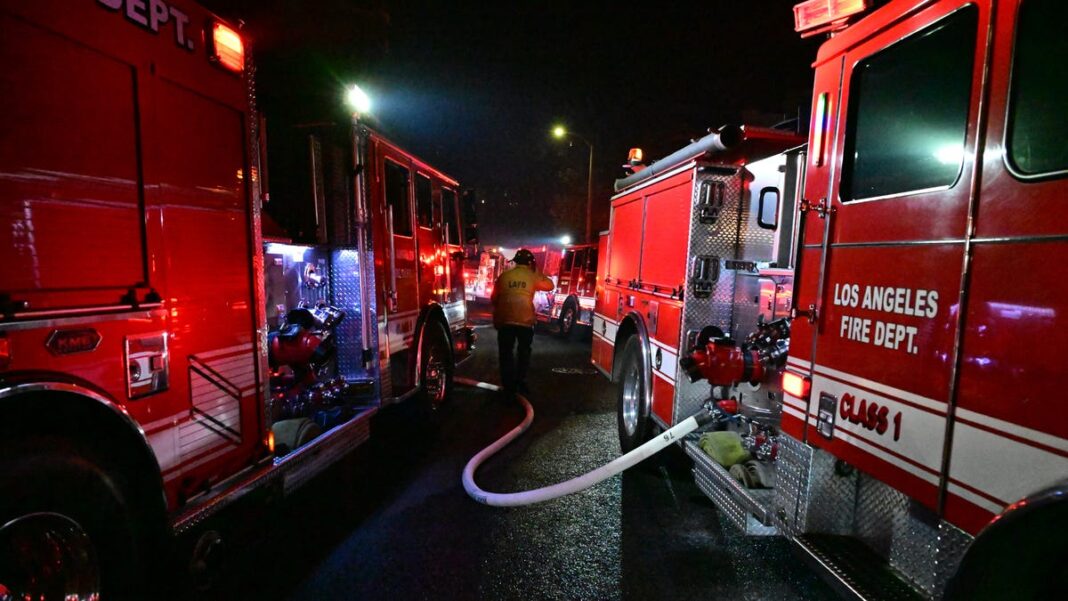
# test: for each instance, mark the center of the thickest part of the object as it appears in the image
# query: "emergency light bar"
(816, 16)
(226, 47)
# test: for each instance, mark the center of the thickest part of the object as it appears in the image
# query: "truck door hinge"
(822, 208)
(811, 314)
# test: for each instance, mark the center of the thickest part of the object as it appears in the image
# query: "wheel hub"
(434, 378)
(47, 556)
(631, 400)
(569, 319)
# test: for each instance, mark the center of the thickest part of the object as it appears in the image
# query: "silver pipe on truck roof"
(728, 137)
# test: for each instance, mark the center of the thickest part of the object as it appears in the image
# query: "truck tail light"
(227, 49)
(819, 14)
(796, 385)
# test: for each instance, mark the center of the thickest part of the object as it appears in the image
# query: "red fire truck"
(903, 429)
(574, 270)
(480, 278)
(157, 361)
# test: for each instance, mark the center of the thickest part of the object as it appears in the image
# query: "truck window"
(424, 204)
(591, 263)
(397, 198)
(569, 258)
(908, 111)
(448, 209)
(768, 208)
(579, 260)
(1038, 122)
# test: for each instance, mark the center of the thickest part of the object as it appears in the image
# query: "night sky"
(475, 89)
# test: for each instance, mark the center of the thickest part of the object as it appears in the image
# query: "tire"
(632, 409)
(568, 320)
(67, 504)
(1020, 557)
(436, 367)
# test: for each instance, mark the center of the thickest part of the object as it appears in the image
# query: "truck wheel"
(1021, 557)
(67, 528)
(632, 410)
(568, 318)
(437, 365)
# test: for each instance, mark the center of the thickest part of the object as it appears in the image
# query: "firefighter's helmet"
(523, 257)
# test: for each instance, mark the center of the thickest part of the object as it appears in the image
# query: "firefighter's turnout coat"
(513, 296)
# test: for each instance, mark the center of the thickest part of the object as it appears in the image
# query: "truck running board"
(294, 469)
(853, 569)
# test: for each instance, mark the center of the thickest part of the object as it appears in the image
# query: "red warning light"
(796, 385)
(227, 49)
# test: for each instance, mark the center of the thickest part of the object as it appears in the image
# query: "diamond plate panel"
(348, 296)
(922, 550)
(832, 497)
(718, 239)
(791, 485)
(747, 309)
(890, 525)
(949, 550)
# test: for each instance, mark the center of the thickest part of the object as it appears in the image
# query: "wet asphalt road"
(392, 519)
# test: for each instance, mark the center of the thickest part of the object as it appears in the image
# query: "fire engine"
(874, 348)
(159, 358)
(481, 278)
(573, 268)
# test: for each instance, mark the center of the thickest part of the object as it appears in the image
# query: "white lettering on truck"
(884, 299)
(153, 15)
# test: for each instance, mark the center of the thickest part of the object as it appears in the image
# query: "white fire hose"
(596, 476)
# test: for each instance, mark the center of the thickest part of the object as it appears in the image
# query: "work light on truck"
(817, 16)
(226, 48)
(819, 129)
(358, 100)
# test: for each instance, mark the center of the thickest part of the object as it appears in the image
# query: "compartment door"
(1010, 432)
(200, 235)
(888, 308)
(402, 285)
(70, 189)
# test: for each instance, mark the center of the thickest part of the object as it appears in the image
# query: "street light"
(565, 239)
(560, 132)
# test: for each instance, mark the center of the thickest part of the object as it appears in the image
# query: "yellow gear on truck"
(513, 296)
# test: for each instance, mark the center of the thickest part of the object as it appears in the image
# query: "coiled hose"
(580, 483)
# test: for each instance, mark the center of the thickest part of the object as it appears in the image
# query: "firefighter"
(513, 316)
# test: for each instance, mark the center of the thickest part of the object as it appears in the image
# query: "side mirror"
(768, 208)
